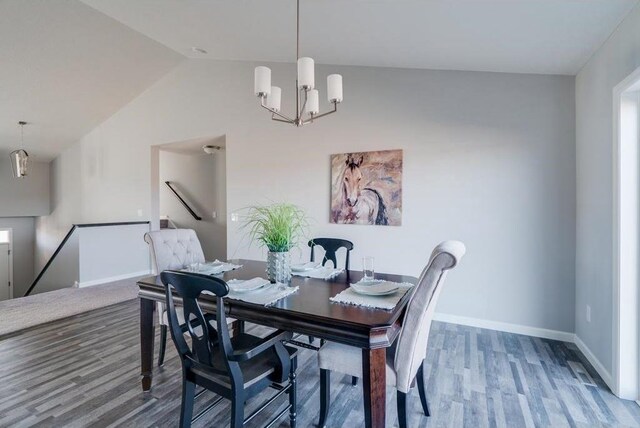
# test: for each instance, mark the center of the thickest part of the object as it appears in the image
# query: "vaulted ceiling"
(67, 65)
(65, 68)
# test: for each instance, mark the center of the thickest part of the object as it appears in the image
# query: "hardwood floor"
(84, 371)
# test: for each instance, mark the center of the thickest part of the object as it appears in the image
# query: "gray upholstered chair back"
(173, 249)
(411, 347)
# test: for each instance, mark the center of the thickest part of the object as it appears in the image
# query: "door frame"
(626, 328)
(11, 283)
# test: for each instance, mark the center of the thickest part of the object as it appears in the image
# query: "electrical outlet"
(588, 314)
(234, 217)
(139, 213)
(214, 214)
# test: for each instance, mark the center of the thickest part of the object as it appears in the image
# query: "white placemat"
(214, 268)
(265, 296)
(324, 272)
(389, 302)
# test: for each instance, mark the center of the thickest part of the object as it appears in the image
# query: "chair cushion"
(348, 360)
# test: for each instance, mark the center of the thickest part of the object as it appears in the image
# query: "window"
(4, 236)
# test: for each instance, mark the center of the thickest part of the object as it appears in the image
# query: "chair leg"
(163, 344)
(311, 339)
(402, 409)
(354, 381)
(237, 412)
(423, 395)
(186, 408)
(293, 400)
(325, 396)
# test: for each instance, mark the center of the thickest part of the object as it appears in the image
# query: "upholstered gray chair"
(172, 249)
(405, 359)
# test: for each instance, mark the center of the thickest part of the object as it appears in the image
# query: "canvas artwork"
(366, 188)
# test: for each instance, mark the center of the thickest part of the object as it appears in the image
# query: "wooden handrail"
(184, 204)
(66, 238)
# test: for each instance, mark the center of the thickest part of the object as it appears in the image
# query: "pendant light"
(20, 158)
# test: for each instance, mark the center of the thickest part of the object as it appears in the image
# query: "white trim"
(595, 362)
(113, 278)
(564, 336)
(621, 385)
(12, 284)
(544, 333)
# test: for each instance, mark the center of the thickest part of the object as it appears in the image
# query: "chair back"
(189, 286)
(411, 347)
(173, 249)
(330, 246)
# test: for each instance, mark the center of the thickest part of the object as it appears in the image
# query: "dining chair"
(406, 357)
(172, 249)
(330, 246)
(236, 368)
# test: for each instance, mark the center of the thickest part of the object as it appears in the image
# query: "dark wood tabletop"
(309, 310)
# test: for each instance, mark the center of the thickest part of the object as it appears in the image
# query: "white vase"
(279, 267)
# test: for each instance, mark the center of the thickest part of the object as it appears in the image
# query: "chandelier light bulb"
(262, 81)
(306, 75)
(313, 102)
(274, 98)
(334, 88)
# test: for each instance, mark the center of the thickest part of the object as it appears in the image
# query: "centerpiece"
(279, 227)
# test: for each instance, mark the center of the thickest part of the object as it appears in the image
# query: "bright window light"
(4, 236)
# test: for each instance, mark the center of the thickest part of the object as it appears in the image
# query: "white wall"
(488, 159)
(614, 61)
(27, 196)
(23, 249)
(111, 253)
(201, 180)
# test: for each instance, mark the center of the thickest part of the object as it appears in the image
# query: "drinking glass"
(367, 269)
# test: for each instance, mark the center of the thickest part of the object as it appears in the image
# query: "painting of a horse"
(366, 188)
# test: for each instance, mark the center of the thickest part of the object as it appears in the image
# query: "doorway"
(626, 334)
(6, 265)
(189, 191)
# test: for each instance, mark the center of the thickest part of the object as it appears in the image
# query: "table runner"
(389, 302)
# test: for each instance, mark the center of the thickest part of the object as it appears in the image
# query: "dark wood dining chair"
(330, 246)
(406, 357)
(236, 368)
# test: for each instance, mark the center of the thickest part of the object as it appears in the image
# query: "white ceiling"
(523, 36)
(65, 68)
(67, 65)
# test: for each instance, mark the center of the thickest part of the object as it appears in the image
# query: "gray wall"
(489, 159)
(201, 179)
(614, 61)
(27, 196)
(23, 250)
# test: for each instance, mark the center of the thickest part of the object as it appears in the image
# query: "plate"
(378, 288)
(249, 285)
(304, 267)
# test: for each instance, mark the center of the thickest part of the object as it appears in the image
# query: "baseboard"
(597, 365)
(113, 278)
(563, 336)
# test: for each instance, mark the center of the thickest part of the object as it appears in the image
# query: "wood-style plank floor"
(84, 371)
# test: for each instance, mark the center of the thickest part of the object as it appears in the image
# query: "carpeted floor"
(23, 312)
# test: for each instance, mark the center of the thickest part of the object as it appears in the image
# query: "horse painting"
(367, 188)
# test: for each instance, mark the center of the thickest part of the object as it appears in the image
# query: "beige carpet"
(24, 312)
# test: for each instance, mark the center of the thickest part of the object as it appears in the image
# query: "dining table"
(307, 311)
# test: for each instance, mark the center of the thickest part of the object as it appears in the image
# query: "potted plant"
(279, 227)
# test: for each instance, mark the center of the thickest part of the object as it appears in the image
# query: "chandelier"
(307, 99)
(20, 158)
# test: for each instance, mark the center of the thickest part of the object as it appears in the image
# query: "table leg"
(147, 337)
(374, 363)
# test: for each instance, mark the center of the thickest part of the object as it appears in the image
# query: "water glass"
(368, 272)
